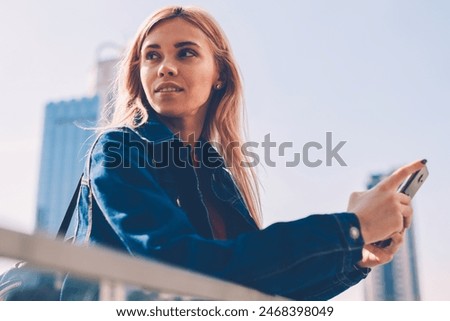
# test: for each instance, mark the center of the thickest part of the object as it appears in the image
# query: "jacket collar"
(154, 130)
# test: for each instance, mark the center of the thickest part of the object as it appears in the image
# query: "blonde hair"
(223, 122)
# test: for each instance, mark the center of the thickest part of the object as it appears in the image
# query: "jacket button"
(178, 202)
(354, 232)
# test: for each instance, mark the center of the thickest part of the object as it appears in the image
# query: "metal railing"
(114, 269)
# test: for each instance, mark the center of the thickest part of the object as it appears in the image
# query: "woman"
(154, 185)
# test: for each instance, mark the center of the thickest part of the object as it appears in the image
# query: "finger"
(396, 178)
(407, 211)
(403, 198)
(397, 240)
(407, 217)
(407, 222)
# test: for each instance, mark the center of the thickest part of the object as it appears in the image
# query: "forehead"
(173, 31)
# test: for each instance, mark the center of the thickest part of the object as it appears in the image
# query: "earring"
(218, 86)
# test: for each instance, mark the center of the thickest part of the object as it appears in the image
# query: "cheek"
(146, 81)
(204, 81)
(204, 86)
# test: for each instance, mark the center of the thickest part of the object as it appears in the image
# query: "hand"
(383, 211)
(373, 255)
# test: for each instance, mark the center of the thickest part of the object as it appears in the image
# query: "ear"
(222, 76)
(220, 81)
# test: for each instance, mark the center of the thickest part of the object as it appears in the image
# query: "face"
(178, 70)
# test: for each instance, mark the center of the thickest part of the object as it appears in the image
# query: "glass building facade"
(65, 144)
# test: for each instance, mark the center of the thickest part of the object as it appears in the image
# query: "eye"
(186, 53)
(151, 55)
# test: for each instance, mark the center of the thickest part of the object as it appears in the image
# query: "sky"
(375, 74)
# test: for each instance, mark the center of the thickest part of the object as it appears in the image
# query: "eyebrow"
(185, 43)
(177, 45)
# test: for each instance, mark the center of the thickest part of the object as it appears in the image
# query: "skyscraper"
(64, 147)
(398, 279)
(66, 143)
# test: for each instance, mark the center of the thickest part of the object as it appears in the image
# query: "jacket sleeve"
(328, 288)
(301, 259)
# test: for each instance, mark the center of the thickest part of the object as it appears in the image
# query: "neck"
(188, 129)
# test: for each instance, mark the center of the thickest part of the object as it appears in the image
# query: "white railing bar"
(102, 263)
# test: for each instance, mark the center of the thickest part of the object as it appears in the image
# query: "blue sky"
(374, 73)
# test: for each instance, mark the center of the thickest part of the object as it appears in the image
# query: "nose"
(167, 68)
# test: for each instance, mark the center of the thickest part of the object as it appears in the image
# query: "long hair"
(223, 122)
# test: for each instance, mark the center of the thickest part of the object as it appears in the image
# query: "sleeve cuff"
(351, 238)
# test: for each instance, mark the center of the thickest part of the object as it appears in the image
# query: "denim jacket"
(140, 195)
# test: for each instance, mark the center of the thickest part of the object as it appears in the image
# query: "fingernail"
(423, 161)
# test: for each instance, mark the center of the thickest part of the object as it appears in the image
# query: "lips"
(168, 87)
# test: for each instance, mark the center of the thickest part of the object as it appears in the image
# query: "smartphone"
(413, 183)
(410, 188)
